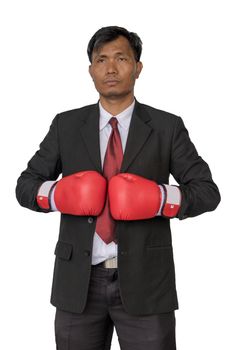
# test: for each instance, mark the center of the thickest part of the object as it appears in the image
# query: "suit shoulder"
(161, 115)
(76, 113)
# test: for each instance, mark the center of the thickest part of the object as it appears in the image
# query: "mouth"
(111, 80)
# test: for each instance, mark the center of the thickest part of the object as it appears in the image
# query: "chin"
(113, 94)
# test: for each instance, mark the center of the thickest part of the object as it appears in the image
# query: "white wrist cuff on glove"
(172, 201)
(43, 195)
(162, 200)
(52, 202)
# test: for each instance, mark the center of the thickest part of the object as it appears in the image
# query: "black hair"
(107, 34)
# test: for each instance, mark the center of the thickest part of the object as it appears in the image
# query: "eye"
(100, 60)
(122, 59)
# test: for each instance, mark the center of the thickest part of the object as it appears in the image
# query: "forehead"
(121, 44)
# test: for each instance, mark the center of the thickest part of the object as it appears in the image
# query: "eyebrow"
(116, 54)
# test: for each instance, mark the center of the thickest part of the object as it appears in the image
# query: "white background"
(187, 56)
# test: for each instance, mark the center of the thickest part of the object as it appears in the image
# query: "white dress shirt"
(102, 251)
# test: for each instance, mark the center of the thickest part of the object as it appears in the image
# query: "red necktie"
(105, 224)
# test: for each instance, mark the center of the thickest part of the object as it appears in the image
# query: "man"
(114, 260)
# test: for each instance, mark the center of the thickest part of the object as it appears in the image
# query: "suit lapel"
(90, 134)
(139, 131)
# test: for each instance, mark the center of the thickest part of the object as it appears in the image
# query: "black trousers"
(93, 329)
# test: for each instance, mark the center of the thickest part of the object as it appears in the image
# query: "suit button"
(87, 252)
(90, 220)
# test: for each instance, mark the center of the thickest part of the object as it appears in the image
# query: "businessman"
(114, 259)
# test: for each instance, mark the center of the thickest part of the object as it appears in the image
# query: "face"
(114, 69)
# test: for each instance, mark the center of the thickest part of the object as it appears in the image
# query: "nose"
(111, 67)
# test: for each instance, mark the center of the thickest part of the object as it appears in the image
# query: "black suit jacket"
(158, 144)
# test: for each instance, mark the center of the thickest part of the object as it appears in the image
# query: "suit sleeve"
(199, 192)
(43, 166)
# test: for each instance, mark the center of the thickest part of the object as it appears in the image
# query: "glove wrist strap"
(172, 201)
(43, 195)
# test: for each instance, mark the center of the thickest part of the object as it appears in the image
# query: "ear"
(138, 69)
(90, 70)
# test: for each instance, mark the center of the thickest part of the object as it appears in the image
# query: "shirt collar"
(123, 118)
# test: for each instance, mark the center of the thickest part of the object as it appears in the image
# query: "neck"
(116, 105)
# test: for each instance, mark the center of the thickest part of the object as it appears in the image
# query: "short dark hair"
(107, 34)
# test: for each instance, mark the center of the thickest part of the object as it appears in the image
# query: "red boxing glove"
(133, 197)
(82, 193)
